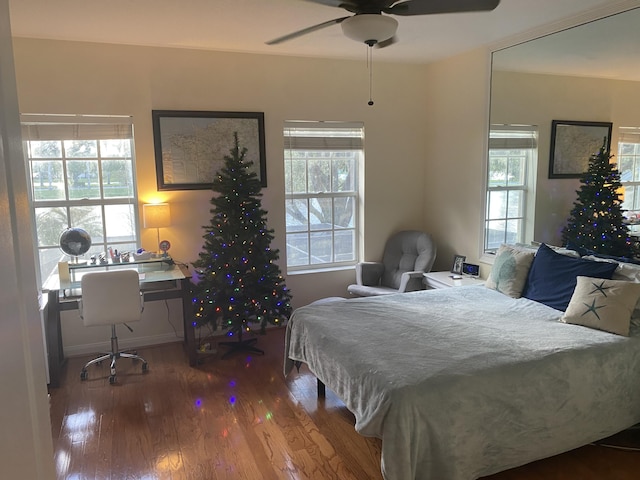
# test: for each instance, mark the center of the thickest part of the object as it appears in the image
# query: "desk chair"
(111, 298)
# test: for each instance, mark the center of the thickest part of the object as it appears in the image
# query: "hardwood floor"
(238, 418)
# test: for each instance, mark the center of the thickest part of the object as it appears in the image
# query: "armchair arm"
(411, 281)
(369, 273)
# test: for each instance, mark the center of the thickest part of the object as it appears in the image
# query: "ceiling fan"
(370, 26)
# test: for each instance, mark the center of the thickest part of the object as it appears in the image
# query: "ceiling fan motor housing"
(369, 28)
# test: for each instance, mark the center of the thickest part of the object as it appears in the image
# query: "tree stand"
(241, 346)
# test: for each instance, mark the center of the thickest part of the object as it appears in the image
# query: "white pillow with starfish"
(603, 304)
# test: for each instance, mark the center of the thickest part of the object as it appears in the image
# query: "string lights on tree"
(239, 282)
(596, 223)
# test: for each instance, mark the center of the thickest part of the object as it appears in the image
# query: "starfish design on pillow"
(599, 288)
(592, 309)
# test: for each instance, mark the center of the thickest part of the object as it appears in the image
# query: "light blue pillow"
(509, 272)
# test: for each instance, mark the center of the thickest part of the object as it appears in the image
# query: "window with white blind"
(322, 161)
(510, 185)
(629, 167)
(82, 174)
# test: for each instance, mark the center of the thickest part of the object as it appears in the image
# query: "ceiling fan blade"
(427, 7)
(333, 3)
(304, 31)
(358, 6)
(386, 43)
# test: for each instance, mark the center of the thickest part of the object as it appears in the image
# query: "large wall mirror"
(587, 73)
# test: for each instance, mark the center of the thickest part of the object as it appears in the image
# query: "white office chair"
(111, 298)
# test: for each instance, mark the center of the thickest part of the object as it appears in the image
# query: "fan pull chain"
(370, 67)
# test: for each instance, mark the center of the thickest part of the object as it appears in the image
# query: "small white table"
(447, 280)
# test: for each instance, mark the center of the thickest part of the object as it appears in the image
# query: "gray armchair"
(407, 255)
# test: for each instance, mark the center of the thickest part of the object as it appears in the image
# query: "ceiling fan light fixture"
(369, 28)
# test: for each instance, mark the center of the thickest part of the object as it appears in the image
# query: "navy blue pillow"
(552, 276)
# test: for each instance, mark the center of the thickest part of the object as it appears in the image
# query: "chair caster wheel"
(83, 375)
(145, 367)
(112, 379)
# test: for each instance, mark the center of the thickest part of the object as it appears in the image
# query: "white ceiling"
(245, 25)
(605, 48)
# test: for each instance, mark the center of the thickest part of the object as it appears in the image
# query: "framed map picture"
(572, 145)
(190, 146)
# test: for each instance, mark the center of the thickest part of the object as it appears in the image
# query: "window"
(510, 185)
(629, 167)
(321, 162)
(81, 174)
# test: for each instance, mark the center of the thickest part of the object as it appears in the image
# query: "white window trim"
(628, 135)
(488, 255)
(325, 143)
(74, 127)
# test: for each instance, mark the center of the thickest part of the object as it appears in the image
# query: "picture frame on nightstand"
(458, 260)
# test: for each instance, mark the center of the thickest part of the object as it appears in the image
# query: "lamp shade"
(369, 28)
(156, 215)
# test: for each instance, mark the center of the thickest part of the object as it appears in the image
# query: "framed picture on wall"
(572, 145)
(190, 146)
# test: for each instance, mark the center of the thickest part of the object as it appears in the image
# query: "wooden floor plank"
(238, 418)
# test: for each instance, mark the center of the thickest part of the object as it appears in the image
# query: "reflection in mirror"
(588, 73)
(510, 183)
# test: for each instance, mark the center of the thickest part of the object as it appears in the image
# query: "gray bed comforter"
(465, 382)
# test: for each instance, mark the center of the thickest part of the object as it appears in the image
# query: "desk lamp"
(157, 215)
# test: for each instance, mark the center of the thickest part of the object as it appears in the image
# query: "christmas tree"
(596, 224)
(239, 283)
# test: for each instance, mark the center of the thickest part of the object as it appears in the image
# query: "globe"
(75, 242)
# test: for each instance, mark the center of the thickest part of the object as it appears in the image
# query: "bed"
(465, 382)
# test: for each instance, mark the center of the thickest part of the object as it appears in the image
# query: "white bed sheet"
(465, 382)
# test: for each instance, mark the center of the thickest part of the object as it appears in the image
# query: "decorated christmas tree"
(239, 282)
(596, 224)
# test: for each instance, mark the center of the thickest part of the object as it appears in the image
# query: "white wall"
(71, 77)
(457, 101)
(535, 99)
(26, 448)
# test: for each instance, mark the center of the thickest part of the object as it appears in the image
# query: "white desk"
(163, 281)
(446, 280)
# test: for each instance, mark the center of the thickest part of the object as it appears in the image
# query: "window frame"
(630, 136)
(512, 137)
(61, 128)
(307, 137)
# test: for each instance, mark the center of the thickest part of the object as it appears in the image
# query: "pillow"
(603, 304)
(509, 272)
(552, 276)
(571, 252)
(584, 252)
(628, 272)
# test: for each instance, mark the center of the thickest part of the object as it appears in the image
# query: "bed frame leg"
(321, 389)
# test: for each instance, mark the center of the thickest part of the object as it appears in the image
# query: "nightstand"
(445, 280)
